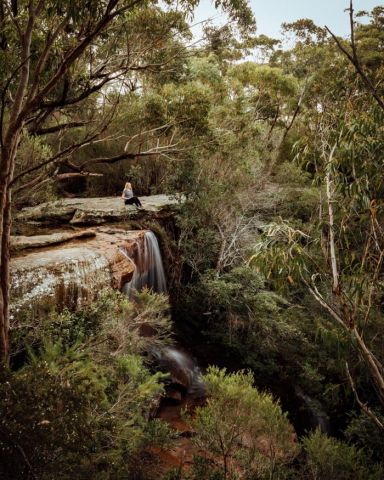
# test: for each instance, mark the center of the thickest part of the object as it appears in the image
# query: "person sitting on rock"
(129, 198)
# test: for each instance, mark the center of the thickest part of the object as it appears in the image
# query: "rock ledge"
(95, 211)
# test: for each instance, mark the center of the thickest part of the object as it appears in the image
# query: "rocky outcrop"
(94, 211)
(74, 273)
(23, 242)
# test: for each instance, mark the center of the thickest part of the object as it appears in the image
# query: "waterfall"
(149, 271)
(316, 416)
(183, 369)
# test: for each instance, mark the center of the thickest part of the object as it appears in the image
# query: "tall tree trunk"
(335, 273)
(7, 165)
(4, 256)
(4, 279)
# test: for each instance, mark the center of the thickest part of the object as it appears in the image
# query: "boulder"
(94, 211)
(67, 277)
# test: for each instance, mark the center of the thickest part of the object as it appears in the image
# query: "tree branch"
(108, 16)
(59, 128)
(371, 414)
(354, 59)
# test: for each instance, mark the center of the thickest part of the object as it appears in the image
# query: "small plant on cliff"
(244, 430)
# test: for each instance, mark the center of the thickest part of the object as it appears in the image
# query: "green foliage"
(65, 412)
(364, 434)
(249, 142)
(32, 152)
(190, 104)
(206, 69)
(82, 404)
(330, 458)
(242, 427)
(111, 316)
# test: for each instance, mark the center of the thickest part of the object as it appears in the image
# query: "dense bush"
(81, 406)
(329, 458)
(244, 430)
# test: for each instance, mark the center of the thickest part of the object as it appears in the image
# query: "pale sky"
(270, 14)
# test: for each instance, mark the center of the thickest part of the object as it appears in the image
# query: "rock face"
(94, 211)
(74, 273)
(23, 242)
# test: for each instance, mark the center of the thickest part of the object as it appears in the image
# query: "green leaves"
(281, 253)
(234, 421)
(81, 406)
(330, 458)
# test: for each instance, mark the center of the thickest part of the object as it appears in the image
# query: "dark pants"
(132, 201)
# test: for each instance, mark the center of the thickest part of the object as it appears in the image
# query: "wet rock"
(94, 211)
(67, 277)
(174, 395)
(185, 375)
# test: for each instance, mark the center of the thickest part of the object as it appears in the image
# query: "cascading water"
(149, 271)
(184, 371)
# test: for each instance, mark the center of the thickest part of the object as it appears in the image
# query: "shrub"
(81, 406)
(242, 428)
(328, 458)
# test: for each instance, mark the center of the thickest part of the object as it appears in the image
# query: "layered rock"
(22, 242)
(74, 273)
(94, 211)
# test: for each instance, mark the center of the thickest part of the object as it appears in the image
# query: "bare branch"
(354, 59)
(108, 16)
(31, 184)
(320, 299)
(131, 155)
(375, 367)
(51, 37)
(329, 196)
(58, 157)
(3, 94)
(371, 414)
(146, 132)
(58, 177)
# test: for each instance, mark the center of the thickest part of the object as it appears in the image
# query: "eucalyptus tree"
(338, 258)
(57, 54)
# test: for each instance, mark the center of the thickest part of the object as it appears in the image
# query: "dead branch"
(58, 177)
(158, 150)
(364, 407)
(354, 59)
